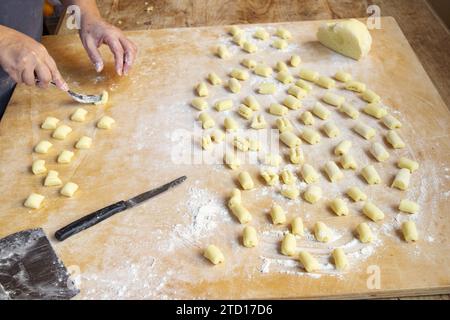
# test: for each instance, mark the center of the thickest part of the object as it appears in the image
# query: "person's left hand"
(95, 31)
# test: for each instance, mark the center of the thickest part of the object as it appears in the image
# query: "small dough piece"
(297, 227)
(79, 115)
(217, 136)
(261, 34)
(272, 159)
(290, 139)
(356, 194)
(407, 164)
(52, 179)
(364, 130)
(105, 122)
(263, 70)
(330, 129)
(375, 110)
(379, 152)
(231, 160)
(50, 123)
(308, 75)
(308, 262)
(340, 260)
(104, 98)
(295, 60)
(199, 104)
(270, 177)
(408, 206)
(246, 180)
(38, 167)
(312, 194)
(320, 111)
(61, 132)
(252, 103)
(234, 85)
(281, 66)
(343, 76)
(34, 201)
(206, 142)
(240, 212)
(343, 147)
(339, 207)
(333, 99)
(223, 105)
(292, 103)
(355, 86)
(309, 174)
(202, 89)
(283, 33)
(348, 162)
(254, 144)
(296, 155)
(258, 122)
(290, 192)
(394, 140)
(401, 180)
(245, 112)
(410, 231)
(280, 44)
(325, 82)
(307, 118)
(283, 124)
(213, 254)
(277, 109)
(84, 143)
(249, 47)
(371, 175)
(304, 85)
(267, 88)
(241, 143)
(230, 124)
(364, 233)
(333, 172)
(239, 39)
(235, 197)
(65, 156)
(206, 120)
(277, 214)
(249, 237)
(239, 74)
(310, 135)
(288, 245)
(370, 96)
(249, 63)
(285, 77)
(297, 92)
(322, 232)
(391, 122)
(234, 30)
(214, 79)
(372, 211)
(69, 189)
(349, 110)
(222, 52)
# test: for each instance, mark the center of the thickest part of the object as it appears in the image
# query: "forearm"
(87, 7)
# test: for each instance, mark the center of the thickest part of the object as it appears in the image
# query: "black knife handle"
(90, 220)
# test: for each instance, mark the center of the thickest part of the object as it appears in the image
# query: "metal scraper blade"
(30, 269)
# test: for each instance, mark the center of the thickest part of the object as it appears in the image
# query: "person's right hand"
(26, 60)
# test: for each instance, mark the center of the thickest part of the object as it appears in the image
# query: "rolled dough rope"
(213, 254)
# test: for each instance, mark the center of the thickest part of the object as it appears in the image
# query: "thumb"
(94, 54)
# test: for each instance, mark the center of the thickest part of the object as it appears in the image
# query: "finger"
(130, 54)
(117, 50)
(55, 75)
(43, 74)
(28, 76)
(94, 54)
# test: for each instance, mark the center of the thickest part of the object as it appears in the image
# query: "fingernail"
(98, 66)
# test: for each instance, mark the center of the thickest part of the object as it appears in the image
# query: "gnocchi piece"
(277, 214)
(288, 245)
(370, 96)
(364, 233)
(69, 189)
(104, 98)
(252, 103)
(206, 142)
(343, 76)
(277, 109)
(261, 34)
(295, 60)
(34, 201)
(290, 139)
(249, 237)
(52, 179)
(270, 177)
(235, 197)
(214, 79)
(285, 77)
(322, 232)
(38, 167)
(217, 136)
(355, 86)
(222, 52)
(84, 143)
(249, 63)
(79, 115)
(202, 89)
(356, 194)
(339, 207)
(349, 110)
(309, 174)
(223, 105)
(241, 143)
(199, 104)
(340, 259)
(308, 262)
(304, 85)
(401, 180)
(239, 74)
(292, 103)
(375, 110)
(231, 160)
(364, 130)
(297, 227)
(391, 122)
(249, 47)
(105, 122)
(372, 212)
(213, 254)
(394, 140)
(287, 177)
(50, 123)
(410, 231)
(245, 112)
(297, 92)
(313, 194)
(407, 164)
(239, 39)
(281, 66)
(254, 145)
(280, 44)
(206, 120)
(408, 206)
(330, 129)
(308, 75)
(325, 82)
(266, 88)
(258, 122)
(65, 156)
(272, 159)
(61, 132)
(283, 33)
(333, 99)
(230, 124)
(379, 152)
(263, 70)
(290, 192)
(240, 212)
(234, 30)
(307, 118)
(246, 180)
(343, 147)
(234, 86)
(333, 172)
(348, 162)
(320, 111)
(371, 175)
(296, 155)
(283, 124)
(310, 135)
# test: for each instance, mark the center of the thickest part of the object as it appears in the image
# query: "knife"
(102, 214)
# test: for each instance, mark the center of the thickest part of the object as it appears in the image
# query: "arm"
(95, 31)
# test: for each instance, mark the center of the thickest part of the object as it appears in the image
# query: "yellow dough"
(309, 263)
(79, 115)
(223, 105)
(277, 214)
(65, 156)
(283, 124)
(214, 79)
(277, 109)
(340, 260)
(263, 70)
(239, 74)
(234, 85)
(281, 66)
(50, 123)
(270, 177)
(313, 194)
(206, 142)
(343, 147)
(245, 112)
(43, 146)
(288, 245)
(249, 47)
(371, 175)
(84, 143)
(410, 231)
(105, 122)
(409, 164)
(408, 206)
(285, 77)
(309, 174)
(213, 254)
(333, 172)
(258, 122)
(252, 103)
(52, 179)
(261, 34)
(280, 44)
(290, 139)
(297, 227)
(343, 76)
(290, 192)
(401, 180)
(325, 82)
(349, 37)
(283, 33)
(61, 132)
(199, 104)
(322, 232)
(349, 110)
(307, 118)
(104, 99)
(296, 155)
(246, 180)
(297, 92)
(230, 124)
(69, 189)
(364, 233)
(348, 162)
(250, 237)
(292, 103)
(309, 75)
(339, 207)
(356, 194)
(266, 88)
(34, 201)
(231, 160)
(38, 167)
(222, 52)
(373, 212)
(295, 60)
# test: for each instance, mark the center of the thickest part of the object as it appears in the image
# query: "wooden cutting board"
(155, 250)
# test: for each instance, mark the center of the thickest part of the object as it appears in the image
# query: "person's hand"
(94, 32)
(26, 60)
